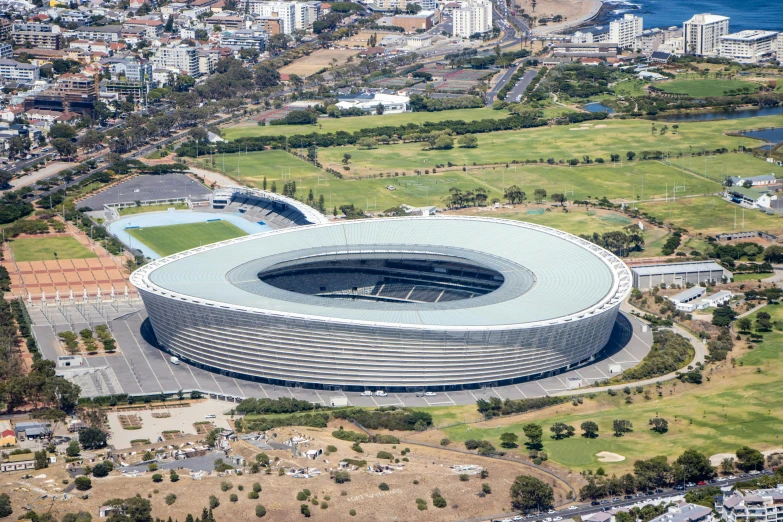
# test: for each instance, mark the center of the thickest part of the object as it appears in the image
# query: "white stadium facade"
(401, 304)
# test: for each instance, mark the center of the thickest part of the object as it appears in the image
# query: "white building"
(691, 299)
(285, 11)
(623, 32)
(17, 71)
(702, 33)
(685, 512)
(305, 14)
(182, 57)
(472, 17)
(581, 38)
(755, 181)
(369, 101)
(748, 46)
(244, 39)
(761, 504)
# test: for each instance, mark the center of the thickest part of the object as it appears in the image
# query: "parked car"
(381, 393)
(595, 503)
(628, 497)
(701, 483)
(679, 487)
(210, 416)
(366, 393)
(571, 508)
(430, 394)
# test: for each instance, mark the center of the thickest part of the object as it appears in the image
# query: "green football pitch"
(170, 239)
(49, 248)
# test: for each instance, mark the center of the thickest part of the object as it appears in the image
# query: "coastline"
(595, 9)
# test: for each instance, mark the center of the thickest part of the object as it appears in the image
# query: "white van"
(174, 360)
(381, 393)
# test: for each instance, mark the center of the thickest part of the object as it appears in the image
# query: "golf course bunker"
(606, 456)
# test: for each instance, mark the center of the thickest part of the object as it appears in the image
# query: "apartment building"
(472, 17)
(269, 24)
(763, 505)
(285, 11)
(244, 39)
(702, 34)
(748, 46)
(17, 71)
(75, 87)
(152, 28)
(624, 32)
(685, 512)
(108, 33)
(226, 22)
(181, 57)
(305, 14)
(37, 36)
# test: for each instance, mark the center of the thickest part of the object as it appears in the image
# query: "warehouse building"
(647, 276)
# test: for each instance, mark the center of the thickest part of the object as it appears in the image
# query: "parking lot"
(141, 368)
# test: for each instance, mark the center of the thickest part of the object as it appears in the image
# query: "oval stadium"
(402, 304)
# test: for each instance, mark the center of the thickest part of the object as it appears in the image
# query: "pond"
(598, 107)
(724, 115)
(772, 136)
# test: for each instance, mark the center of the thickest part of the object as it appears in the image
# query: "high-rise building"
(702, 33)
(748, 46)
(285, 11)
(623, 32)
(181, 57)
(474, 16)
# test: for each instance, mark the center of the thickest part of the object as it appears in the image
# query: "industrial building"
(678, 274)
(402, 304)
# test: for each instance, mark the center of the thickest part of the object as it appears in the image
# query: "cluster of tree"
(41, 388)
(312, 420)
(771, 294)
(298, 117)
(582, 81)
(335, 16)
(719, 347)
(669, 353)
(281, 405)
(619, 242)
(13, 206)
(351, 212)
(723, 315)
(494, 407)
(421, 103)
(529, 494)
(470, 58)
(671, 244)
(458, 198)
(388, 418)
(484, 447)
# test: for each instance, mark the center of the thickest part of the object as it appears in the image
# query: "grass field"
(44, 249)
(719, 166)
(733, 409)
(710, 87)
(354, 123)
(152, 208)
(751, 277)
(711, 215)
(562, 142)
(167, 240)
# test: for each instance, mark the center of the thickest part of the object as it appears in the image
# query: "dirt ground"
(429, 466)
(317, 60)
(573, 11)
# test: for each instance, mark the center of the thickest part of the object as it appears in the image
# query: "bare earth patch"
(607, 456)
(317, 60)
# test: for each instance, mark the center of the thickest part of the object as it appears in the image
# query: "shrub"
(341, 477)
(331, 449)
(486, 489)
(421, 504)
(352, 512)
(352, 436)
(301, 496)
(83, 483)
(357, 448)
(305, 510)
(152, 466)
(256, 487)
(252, 495)
(170, 499)
(314, 501)
(386, 439)
(157, 477)
(324, 505)
(439, 502)
(213, 502)
(464, 477)
(225, 485)
(173, 477)
(233, 497)
(241, 487)
(383, 486)
(385, 455)
(445, 442)
(260, 511)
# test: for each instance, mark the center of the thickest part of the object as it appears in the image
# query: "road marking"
(520, 391)
(239, 387)
(263, 390)
(319, 397)
(142, 354)
(217, 383)
(496, 393)
(542, 387)
(193, 375)
(471, 394)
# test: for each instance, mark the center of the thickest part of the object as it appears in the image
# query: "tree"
(92, 438)
(65, 148)
(83, 483)
(727, 465)
(773, 254)
(514, 194)
(62, 130)
(624, 516)
(744, 324)
(558, 198)
(379, 109)
(73, 449)
(260, 511)
(621, 427)
(367, 143)
(534, 434)
(659, 424)
(5, 505)
(539, 195)
(695, 466)
(723, 315)
(341, 477)
(749, 459)
(531, 494)
(443, 143)
(41, 459)
(468, 141)
(561, 430)
(101, 470)
(630, 155)
(169, 27)
(509, 440)
(589, 429)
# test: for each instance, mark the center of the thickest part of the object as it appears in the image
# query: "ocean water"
(744, 14)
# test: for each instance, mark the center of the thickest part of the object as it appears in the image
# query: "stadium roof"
(549, 276)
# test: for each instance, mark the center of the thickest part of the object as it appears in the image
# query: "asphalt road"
(501, 83)
(518, 91)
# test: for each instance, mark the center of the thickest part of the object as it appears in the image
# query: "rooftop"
(668, 268)
(749, 35)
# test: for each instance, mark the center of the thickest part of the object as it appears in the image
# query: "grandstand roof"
(571, 278)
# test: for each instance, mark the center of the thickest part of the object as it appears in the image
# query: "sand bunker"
(606, 456)
(601, 126)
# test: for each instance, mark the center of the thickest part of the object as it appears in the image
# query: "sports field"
(710, 87)
(712, 215)
(354, 123)
(719, 166)
(251, 168)
(49, 248)
(152, 208)
(562, 142)
(167, 240)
